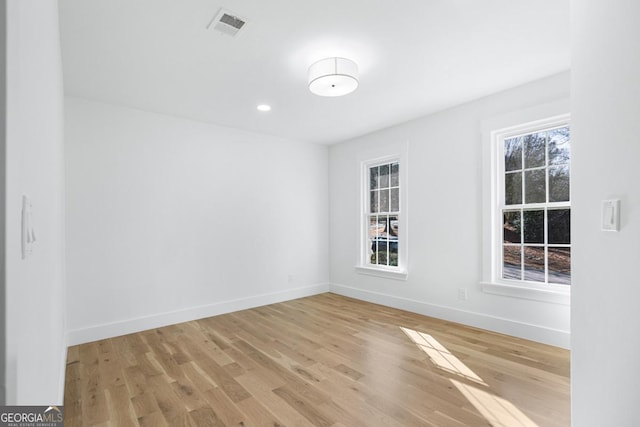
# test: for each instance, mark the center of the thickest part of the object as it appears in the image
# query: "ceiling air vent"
(227, 22)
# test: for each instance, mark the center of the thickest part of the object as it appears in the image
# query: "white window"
(533, 219)
(383, 215)
(383, 244)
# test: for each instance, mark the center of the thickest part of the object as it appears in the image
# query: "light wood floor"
(325, 360)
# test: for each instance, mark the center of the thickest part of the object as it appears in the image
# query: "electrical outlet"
(462, 294)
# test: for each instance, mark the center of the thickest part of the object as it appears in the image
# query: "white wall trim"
(382, 272)
(63, 373)
(524, 330)
(549, 114)
(398, 154)
(109, 330)
(525, 291)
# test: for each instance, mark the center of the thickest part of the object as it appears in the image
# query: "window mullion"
(388, 245)
(521, 243)
(523, 201)
(546, 220)
(546, 246)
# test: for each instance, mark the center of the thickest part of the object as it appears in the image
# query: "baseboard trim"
(110, 330)
(524, 330)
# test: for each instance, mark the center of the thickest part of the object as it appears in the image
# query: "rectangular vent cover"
(227, 22)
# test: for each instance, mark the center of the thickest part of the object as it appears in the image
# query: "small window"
(534, 212)
(383, 215)
(383, 245)
(383, 241)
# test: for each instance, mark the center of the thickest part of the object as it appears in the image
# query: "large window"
(534, 211)
(383, 214)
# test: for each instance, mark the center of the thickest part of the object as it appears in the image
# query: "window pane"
(533, 226)
(513, 154)
(393, 240)
(511, 266)
(374, 228)
(383, 225)
(374, 252)
(374, 231)
(534, 150)
(380, 244)
(534, 264)
(560, 266)
(559, 185)
(394, 224)
(512, 227)
(374, 202)
(559, 146)
(383, 221)
(559, 226)
(535, 187)
(384, 200)
(395, 199)
(513, 188)
(373, 177)
(377, 229)
(383, 235)
(395, 175)
(383, 177)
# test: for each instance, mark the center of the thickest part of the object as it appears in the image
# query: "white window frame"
(364, 265)
(494, 133)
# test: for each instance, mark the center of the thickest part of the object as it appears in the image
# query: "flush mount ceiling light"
(264, 107)
(333, 77)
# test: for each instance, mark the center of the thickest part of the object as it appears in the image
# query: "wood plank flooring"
(325, 360)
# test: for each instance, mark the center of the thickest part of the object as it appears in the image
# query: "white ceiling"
(415, 57)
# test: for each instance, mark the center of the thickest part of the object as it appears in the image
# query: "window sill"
(536, 294)
(379, 272)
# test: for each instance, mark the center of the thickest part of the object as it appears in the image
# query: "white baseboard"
(528, 331)
(109, 330)
(497, 324)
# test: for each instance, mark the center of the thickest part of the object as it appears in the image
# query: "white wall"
(36, 349)
(3, 163)
(445, 218)
(170, 219)
(605, 304)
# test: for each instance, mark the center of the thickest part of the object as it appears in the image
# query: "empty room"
(339, 213)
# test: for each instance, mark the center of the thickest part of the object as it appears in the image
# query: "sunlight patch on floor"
(440, 356)
(497, 411)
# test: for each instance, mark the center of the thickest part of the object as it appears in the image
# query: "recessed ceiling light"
(264, 107)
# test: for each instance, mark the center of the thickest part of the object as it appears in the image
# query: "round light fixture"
(264, 107)
(333, 77)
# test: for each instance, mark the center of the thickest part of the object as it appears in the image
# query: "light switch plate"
(27, 228)
(611, 215)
